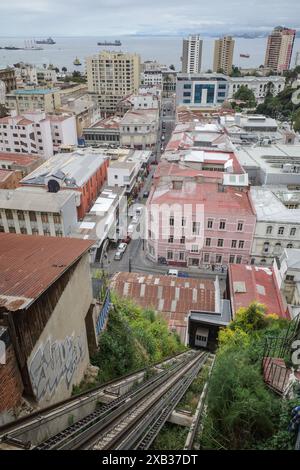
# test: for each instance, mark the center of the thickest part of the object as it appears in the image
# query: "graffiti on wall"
(55, 362)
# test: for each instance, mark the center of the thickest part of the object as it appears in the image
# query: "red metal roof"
(21, 159)
(172, 296)
(255, 283)
(30, 264)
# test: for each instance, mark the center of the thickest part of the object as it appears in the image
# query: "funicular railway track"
(134, 419)
(15, 431)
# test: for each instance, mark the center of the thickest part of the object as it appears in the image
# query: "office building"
(201, 90)
(280, 48)
(192, 54)
(223, 55)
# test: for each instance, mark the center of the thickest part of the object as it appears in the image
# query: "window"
(171, 239)
(266, 247)
(20, 215)
(23, 230)
(289, 278)
(170, 255)
(9, 214)
(289, 245)
(233, 243)
(240, 226)
(238, 260)
(47, 233)
(241, 244)
(281, 231)
(269, 230)
(182, 240)
(35, 231)
(218, 259)
(32, 216)
(44, 217)
(171, 221)
(220, 242)
(183, 221)
(208, 242)
(293, 231)
(12, 230)
(56, 218)
(206, 258)
(181, 256)
(196, 228)
(231, 259)
(222, 225)
(195, 249)
(210, 223)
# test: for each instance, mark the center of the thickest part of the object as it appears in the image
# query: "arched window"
(293, 231)
(289, 245)
(269, 229)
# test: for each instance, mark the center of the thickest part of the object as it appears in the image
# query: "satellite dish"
(53, 186)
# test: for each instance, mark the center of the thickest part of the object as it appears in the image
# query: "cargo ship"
(108, 43)
(77, 61)
(245, 56)
(46, 41)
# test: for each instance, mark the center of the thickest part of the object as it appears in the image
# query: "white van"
(173, 272)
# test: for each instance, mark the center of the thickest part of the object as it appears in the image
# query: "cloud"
(117, 17)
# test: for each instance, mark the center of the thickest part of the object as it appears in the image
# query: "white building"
(123, 173)
(35, 211)
(139, 129)
(63, 130)
(277, 226)
(37, 133)
(27, 133)
(152, 78)
(288, 274)
(259, 85)
(192, 54)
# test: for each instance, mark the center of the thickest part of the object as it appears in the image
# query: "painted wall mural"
(55, 362)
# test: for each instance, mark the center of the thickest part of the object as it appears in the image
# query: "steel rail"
(78, 433)
(26, 423)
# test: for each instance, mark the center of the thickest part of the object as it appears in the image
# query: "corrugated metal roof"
(30, 264)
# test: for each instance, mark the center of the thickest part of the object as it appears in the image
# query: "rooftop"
(140, 116)
(71, 169)
(34, 199)
(30, 265)
(172, 296)
(271, 158)
(112, 122)
(35, 91)
(230, 201)
(255, 283)
(269, 207)
(20, 159)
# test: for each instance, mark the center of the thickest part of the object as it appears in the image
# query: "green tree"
(245, 94)
(235, 72)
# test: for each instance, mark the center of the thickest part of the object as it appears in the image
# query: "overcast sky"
(119, 17)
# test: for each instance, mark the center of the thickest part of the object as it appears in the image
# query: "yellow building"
(32, 99)
(223, 55)
(112, 76)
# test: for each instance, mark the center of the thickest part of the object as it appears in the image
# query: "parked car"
(118, 255)
(139, 210)
(162, 260)
(173, 272)
(146, 194)
(122, 247)
(183, 274)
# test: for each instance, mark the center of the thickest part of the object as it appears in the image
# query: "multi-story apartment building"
(139, 129)
(201, 90)
(83, 171)
(280, 48)
(259, 85)
(191, 223)
(37, 133)
(9, 78)
(152, 78)
(104, 132)
(223, 55)
(112, 76)
(32, 99)
(35, 211)
(277, 226)
(192, 54)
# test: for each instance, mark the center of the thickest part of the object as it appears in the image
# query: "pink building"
(194, 219)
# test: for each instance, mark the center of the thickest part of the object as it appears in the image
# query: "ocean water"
(167, 50)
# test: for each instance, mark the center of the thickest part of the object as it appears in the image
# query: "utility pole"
(129, 265)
